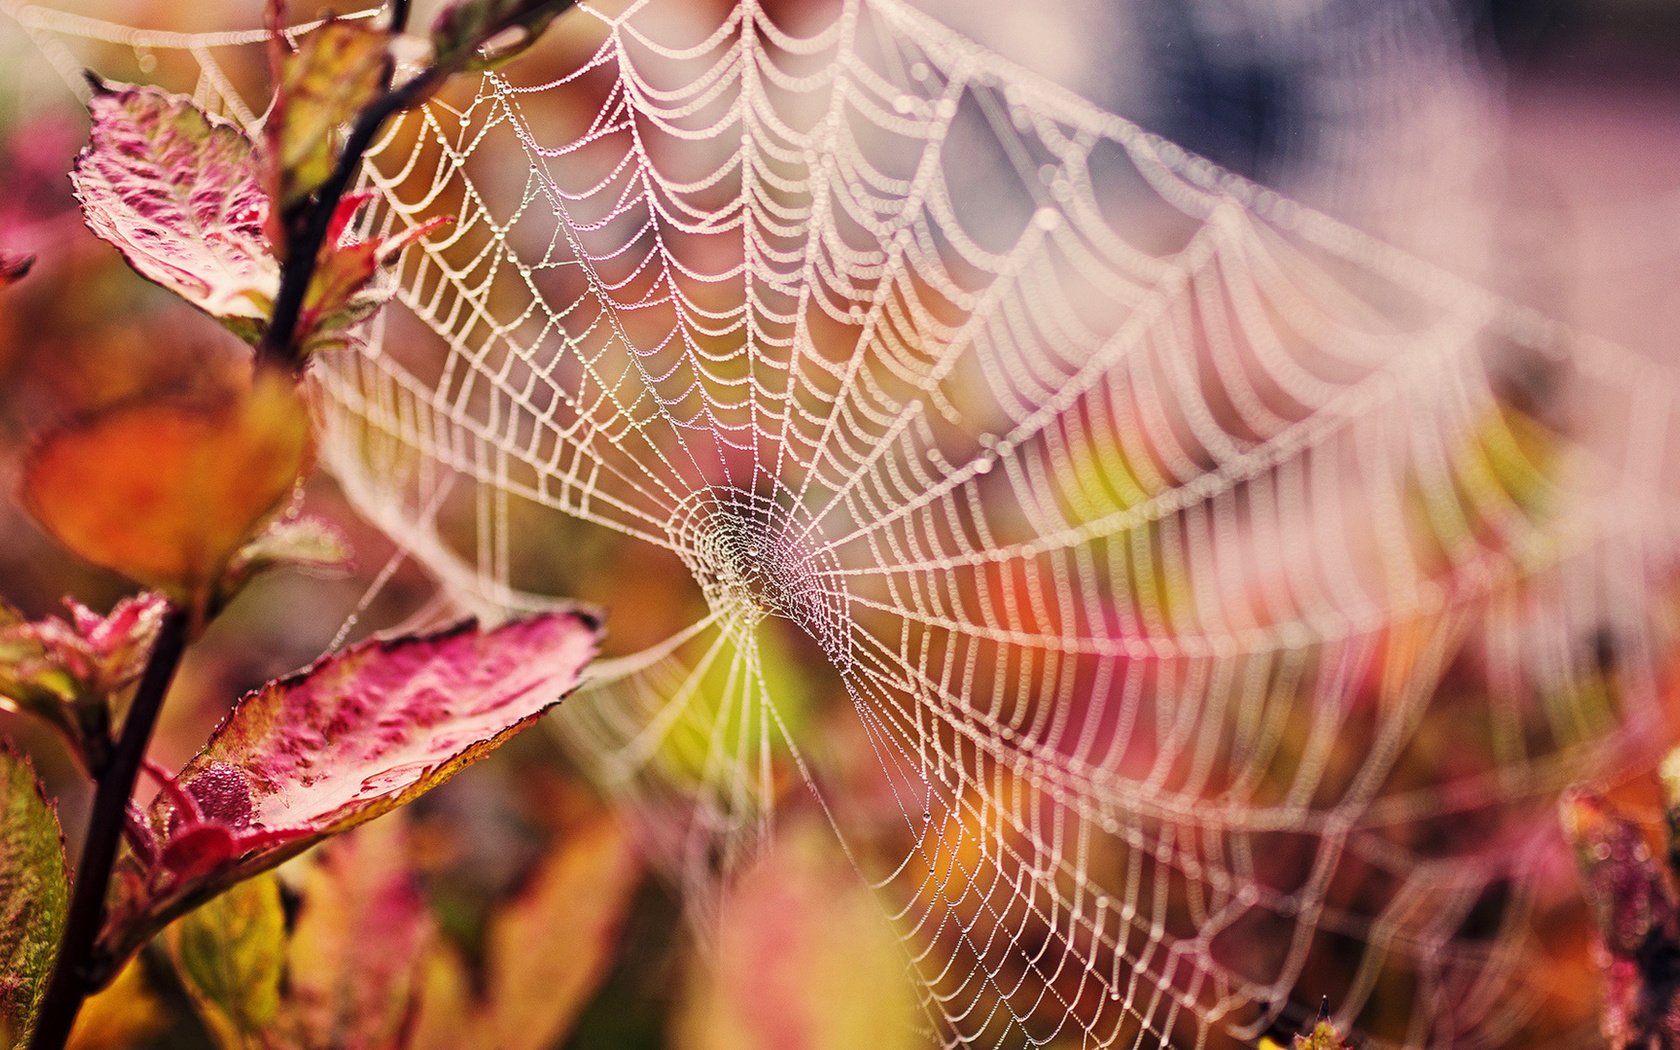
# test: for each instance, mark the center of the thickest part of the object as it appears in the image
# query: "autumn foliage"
(184, 493)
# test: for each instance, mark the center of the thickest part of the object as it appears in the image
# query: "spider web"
(1217, 597)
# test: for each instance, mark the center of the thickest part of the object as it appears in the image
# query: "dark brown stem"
(74, 976)
(280, 341)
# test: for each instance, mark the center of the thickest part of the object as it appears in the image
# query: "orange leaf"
(166, 493)
(577, 897)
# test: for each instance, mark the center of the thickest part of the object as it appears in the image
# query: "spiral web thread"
(1222, 595)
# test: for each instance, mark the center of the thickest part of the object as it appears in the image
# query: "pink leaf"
(68, 672)
(91, 655)
(358, 734)
(178, 192)
(368, 727)
(804, 957)
(342, 293)
(354, 956)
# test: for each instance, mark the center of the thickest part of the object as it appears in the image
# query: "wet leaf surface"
(356, 735)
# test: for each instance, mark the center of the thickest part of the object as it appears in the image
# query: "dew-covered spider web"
(1183, 606)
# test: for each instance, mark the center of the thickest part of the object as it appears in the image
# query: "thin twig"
(72, 980)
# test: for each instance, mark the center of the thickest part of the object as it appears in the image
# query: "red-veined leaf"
(176, 190)
(356, 735)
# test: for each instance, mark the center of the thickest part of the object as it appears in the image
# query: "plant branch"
(74, 976)
(279, 342)
(78, 969)
(309, 232)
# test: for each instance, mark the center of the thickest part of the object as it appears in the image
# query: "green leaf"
(337, 70)
(471, 35)
(177, 191)
(34, 894)
(306, 543)
(230, 954)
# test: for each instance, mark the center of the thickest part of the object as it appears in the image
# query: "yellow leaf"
(447, 1017)
(124, 1015)
(805, 957)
